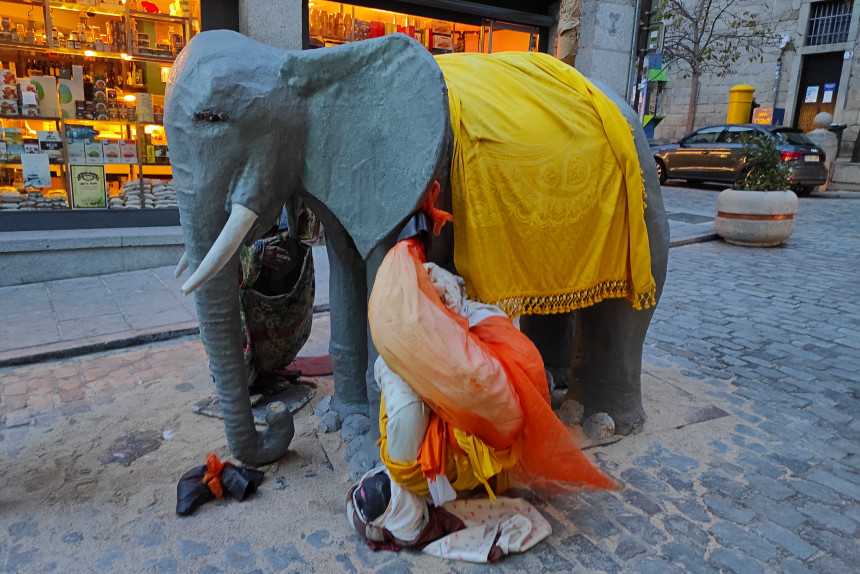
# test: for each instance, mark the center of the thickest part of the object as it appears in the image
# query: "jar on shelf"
(5, 24)
(347, 27)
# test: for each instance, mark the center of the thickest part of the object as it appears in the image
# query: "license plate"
(810, 158)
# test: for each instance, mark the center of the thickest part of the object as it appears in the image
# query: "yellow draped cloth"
(472, 468)
(548, 198)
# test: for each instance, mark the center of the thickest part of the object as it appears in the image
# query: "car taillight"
(791, 155)
(823, 157)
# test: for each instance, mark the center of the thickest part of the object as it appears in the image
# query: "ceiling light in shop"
(125, 56)
(129, 98)
(89, 53)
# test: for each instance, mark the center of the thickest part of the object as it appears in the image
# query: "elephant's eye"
(210, 116)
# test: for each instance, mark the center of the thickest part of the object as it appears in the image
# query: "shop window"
(81, 106)
(332, 23)
(829, 22)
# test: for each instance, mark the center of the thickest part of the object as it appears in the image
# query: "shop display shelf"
(73, 7)
(138, 15)
(24, 2)
(32, 118)
(22, 45)
(53, 163)
(87, 53)
(161, 59)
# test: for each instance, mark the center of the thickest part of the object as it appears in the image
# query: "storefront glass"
(332, 23)
(82, 103)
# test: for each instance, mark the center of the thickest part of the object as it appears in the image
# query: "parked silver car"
(715, 153)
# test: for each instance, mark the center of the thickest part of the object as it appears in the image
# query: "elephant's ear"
(377, 129)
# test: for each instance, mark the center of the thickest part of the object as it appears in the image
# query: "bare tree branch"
(711, 36)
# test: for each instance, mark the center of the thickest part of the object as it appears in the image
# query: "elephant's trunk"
(220, 329)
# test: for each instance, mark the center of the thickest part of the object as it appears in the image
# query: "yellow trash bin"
(740, 104)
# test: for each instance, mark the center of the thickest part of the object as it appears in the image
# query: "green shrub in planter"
(764, 170)
(745, 215)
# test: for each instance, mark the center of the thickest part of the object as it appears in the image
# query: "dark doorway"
(219, 15)
(819, 86)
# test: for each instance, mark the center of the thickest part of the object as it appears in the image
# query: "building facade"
(816, 69)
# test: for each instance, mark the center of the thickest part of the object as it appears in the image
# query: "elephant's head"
(358, 132)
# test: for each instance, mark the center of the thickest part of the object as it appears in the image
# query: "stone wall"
(605, 41)
(274, 22)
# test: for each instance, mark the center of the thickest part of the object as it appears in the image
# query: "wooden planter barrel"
(755, 218)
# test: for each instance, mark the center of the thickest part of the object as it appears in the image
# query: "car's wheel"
(802, 190)
(661, 171)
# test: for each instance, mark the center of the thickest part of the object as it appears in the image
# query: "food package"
(47, 95)
(8, 78)
(128, 151)
(94, 152)
(111, 151)
(9, 107)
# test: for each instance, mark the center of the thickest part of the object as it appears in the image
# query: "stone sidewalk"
(749, 460)
(67, 317)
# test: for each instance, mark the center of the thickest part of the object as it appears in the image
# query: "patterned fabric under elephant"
(276, 326)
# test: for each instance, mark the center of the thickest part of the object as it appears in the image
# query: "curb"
(73, 349)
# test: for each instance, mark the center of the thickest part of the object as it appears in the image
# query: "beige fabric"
(512, 523)
(408, 415)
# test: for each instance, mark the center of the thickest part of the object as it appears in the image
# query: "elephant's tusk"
(231, 237)
(182, 265)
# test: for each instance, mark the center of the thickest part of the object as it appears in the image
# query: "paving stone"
(287, 558)
(589, 555)
(675, 479)
(191, 549)
(692, 560)
(738, 563)
(723, 485)
(680, 527)
(830, 564)
(786, 539)
(106, 561)
(654, 566)
(735, 537)
(347, 564)
(628, 548)
(640, 526)
(20, 560)
(239, 556)
(829, 518)
(778, 513)
(552, 559)
(844, 487)
(592, 523)
(641, 501)
(153, 537)
(774, 489)
(726, 509)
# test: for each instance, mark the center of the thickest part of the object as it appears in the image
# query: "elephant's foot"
(356, 430)
(596, 426)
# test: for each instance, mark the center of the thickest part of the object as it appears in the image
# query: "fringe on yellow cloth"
(548, 197)
(476, 468)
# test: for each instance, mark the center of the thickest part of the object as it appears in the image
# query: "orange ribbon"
(212, 478)
(439, 216)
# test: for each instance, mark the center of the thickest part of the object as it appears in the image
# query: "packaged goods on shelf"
(10, 198)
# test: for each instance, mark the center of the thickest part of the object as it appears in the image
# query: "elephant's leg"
(348, 344)
(365, 455)
(607, 362)
(553, 336)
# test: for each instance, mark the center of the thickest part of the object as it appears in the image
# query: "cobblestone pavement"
(749, 461)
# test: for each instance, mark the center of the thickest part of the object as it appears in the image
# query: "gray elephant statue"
(359, 133)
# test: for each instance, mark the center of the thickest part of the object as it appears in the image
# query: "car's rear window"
(793, 137)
